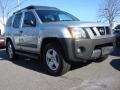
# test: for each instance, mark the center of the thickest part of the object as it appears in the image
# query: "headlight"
(77, 33)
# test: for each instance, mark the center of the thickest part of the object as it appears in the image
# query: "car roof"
(37, 7)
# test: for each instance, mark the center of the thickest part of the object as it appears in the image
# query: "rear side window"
(17, 19)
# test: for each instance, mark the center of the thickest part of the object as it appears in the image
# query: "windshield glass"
(54, 16)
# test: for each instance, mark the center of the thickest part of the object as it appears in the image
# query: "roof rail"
(37, 7)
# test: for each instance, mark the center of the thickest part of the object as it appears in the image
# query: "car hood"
(78, 24)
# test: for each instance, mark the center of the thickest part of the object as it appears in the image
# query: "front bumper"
(87, 49)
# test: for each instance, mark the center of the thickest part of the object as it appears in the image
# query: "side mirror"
(30, 23)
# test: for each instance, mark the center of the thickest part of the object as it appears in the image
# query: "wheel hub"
(10, 51)
(52, 59)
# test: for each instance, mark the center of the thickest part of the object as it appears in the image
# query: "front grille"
(100, 31)
(93, 31)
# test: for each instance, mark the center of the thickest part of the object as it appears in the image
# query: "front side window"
(55, 16)
(17, 20)
(29, 19)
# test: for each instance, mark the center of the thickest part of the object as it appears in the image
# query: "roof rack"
(37, 7)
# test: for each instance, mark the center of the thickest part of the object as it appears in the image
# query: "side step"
(34, 56)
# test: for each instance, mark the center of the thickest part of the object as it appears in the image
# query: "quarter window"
(9, 22)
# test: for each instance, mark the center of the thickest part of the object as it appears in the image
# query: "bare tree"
(109, 10)
(8, 6)
(3, 8)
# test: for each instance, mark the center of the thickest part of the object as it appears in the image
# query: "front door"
(29, 32)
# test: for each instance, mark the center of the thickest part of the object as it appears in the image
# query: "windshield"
(54, 16)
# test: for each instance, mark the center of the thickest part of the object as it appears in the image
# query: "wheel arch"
(58, 41)
(8, 39)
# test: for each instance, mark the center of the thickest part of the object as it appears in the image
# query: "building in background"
(2, 31)
(2, 28)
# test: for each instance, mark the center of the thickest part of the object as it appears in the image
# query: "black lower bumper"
(87, 49)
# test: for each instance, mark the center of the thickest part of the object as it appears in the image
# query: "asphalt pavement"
(28, 74)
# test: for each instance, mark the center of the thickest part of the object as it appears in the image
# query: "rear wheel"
(10, 50)
(54, 60)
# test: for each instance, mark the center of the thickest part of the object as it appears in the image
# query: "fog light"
(78, 50)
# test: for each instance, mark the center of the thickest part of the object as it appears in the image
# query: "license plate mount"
(106, 50)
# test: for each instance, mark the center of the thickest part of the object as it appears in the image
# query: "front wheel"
(53, 60)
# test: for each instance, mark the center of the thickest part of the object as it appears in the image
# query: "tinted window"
(17, 20)
(53, 16)
(29, 16)
(9, 22)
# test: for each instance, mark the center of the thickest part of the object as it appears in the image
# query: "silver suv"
(56, 38)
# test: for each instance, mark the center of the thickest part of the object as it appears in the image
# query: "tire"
(10, 50)
(54, 60)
